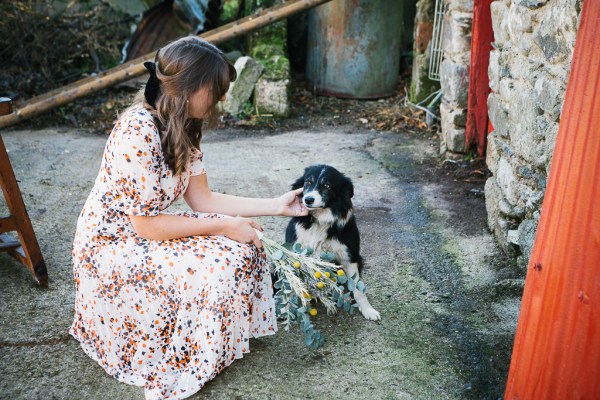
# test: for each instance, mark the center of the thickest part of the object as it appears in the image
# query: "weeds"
(47, 44)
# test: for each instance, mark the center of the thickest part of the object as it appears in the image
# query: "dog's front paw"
(370, 313)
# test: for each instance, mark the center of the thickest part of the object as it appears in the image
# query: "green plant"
(304, 280)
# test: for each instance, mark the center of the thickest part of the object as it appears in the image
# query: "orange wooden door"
(556, 354)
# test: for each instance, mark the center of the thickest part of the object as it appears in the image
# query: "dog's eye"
(327, 186)
(308, 182)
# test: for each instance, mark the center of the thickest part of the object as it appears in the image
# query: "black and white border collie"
(330, 225)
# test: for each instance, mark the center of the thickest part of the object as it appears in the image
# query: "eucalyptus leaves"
(303, 281)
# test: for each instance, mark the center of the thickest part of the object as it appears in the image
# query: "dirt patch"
(463, 187)
(459, 183)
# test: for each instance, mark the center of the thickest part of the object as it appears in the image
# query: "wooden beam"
(7, 224)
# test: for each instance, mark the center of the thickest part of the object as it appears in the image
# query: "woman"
(167, 300)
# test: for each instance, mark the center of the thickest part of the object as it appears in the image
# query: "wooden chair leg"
(26, 250)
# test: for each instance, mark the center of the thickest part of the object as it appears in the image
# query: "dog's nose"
(309, 200)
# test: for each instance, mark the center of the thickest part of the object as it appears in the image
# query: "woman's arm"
(167, 227)
(200, 198)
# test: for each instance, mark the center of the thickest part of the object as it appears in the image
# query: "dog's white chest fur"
(315, 237)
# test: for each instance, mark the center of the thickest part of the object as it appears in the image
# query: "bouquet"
(304, 280)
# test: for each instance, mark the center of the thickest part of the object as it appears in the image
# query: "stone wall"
(454, 75)
(529, 68)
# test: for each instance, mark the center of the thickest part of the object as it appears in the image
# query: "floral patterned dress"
(167, 315)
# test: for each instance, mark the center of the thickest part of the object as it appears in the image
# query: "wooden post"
(479, 88)
(556, 354)
(26, 250)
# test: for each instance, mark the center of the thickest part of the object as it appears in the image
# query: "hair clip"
(152, 90)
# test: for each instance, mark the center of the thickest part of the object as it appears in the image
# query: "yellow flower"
(296, 264)
(307, 295)
(317, 275)
(320, 285)
(327, 274)
(313, 311)
(340, 272)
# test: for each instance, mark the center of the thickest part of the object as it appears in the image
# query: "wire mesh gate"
(437, 53)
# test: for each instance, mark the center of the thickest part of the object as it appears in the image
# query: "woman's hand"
(290, 204)
(242, 230)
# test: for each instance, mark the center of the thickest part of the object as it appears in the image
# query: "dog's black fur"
(336, 191)
(330, 225)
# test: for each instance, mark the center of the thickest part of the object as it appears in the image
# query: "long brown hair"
(182, 68)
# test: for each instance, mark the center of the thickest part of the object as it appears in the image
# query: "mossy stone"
(274, 34)
(272, 57)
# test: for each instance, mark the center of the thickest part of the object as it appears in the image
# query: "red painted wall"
(556, 353)
(477, 113)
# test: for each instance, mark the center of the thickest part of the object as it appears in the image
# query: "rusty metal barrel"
(354, 48)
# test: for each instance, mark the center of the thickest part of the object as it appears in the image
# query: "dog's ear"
(349, 188)
(299, 183)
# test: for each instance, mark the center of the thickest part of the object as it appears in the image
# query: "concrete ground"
(434, 273)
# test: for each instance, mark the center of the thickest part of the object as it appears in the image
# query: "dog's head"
(325, 187)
